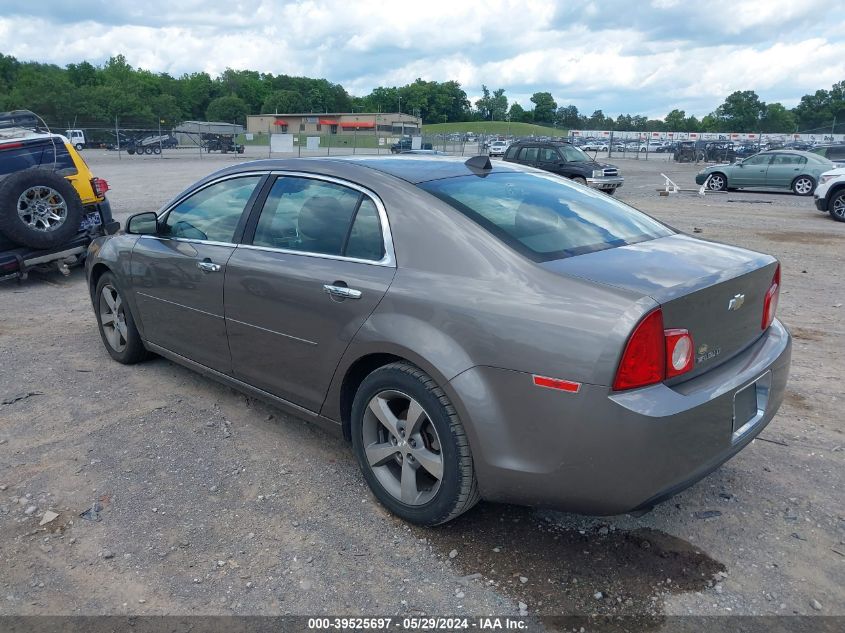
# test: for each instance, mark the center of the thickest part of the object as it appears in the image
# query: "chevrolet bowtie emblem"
(736, 302)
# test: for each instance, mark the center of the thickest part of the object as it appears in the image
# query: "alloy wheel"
(717, 183)
(838, 209)
(42, 208)
(113, 318)
(402, 447)
(803, 186)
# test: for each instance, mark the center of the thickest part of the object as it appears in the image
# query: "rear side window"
(511, 153)
(836, 153)
(528, 154)
(40, 153)
(313, 216)
(545, 217)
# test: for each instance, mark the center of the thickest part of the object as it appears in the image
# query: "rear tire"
(156, 150)
(114, 320)
(803, 186)
(404, 430)
(837, 206)
(39, 209)
(79, 147)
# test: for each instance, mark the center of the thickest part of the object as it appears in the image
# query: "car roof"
(19, 133)
(796, 152)
(412, 168)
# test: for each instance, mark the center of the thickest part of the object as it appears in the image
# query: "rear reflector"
(556, 383)
(770, 303)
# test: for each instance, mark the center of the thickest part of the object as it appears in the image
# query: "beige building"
(381, 123)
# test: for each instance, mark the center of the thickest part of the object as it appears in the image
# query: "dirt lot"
(176, 495)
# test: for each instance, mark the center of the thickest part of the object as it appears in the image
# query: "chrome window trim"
(388, 260)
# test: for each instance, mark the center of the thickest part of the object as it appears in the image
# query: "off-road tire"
(458, 491)
(16, 229)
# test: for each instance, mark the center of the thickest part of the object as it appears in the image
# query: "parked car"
(595, 146)
(705, 151)
(566, 160)
(405, 144)
(51, 205)
(830, 194)
(779, 169)
(497, 148)
(530, 341)
(832, 152)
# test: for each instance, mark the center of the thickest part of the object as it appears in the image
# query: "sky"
(620, 56)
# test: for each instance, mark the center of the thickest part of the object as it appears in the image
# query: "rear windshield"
(545, 217)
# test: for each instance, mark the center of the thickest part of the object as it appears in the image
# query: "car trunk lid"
(714, 291)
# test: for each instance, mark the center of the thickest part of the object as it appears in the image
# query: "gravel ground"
(175, 495)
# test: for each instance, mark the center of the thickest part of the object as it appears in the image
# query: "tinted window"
(788, 159)
(212, 213)
(758, 159)
(549, 155)
(42, 153)
(545, 217)
(307, 215)
(528, 154)
(365, 240)
(836, 153)
(511, 153)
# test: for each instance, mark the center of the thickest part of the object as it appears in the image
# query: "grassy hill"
(494, 127)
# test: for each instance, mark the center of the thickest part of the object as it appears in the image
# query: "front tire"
(837, 206)
(114, 320)
(718, 182)
(803, 186)
(580, 180)
(411, 446)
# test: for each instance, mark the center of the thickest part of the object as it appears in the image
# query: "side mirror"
(142, 224)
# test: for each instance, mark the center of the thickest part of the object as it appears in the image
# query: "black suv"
(566, 160)
(833, 152)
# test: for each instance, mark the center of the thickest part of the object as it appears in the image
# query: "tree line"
(84, 94)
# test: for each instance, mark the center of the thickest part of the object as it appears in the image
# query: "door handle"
(207, 266)
(342, 292)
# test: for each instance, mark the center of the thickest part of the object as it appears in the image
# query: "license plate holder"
(749, 405)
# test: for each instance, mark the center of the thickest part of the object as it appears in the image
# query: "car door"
(316, 260)
(783, 169)
(751, 172)
(178, 274)
(549, 159)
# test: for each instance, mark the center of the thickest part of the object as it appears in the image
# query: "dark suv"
(566, 160)
(834, 152)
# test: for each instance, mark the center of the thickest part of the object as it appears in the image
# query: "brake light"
(770, 303)
(5, 146)
(99, 186)
(654, 354)
(644, 359)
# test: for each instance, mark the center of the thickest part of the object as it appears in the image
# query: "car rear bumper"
(599, 452)
(606, 183)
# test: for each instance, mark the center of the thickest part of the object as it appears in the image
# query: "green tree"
(283, 101)
(597, 121)
(230, 109)
(568, 117)
(742, 111)
(777, 118)
(675, 120)
(545, 107)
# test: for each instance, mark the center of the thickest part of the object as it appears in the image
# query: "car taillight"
(678, 352)
(99, 186)
(653, 354)
(770, 303)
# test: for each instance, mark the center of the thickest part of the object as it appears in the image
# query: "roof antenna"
(481, 162)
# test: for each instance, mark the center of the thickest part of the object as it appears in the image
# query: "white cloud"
(615, 55)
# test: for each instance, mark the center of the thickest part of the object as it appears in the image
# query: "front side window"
(314, 216)
(549, 155)
(545, 217)
(511, 153)
(212, 213)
